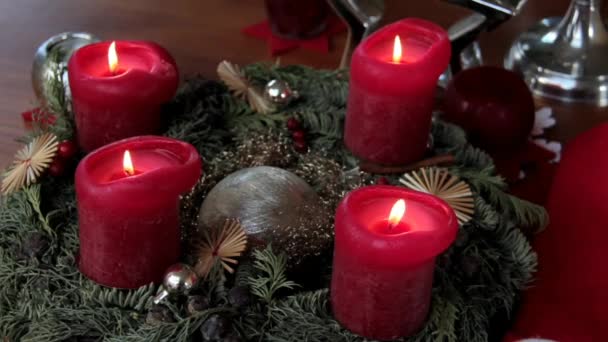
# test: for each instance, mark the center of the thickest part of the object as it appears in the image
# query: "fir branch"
(217, 284)
(137, 299)
(447, 138)
(270, 276)
(486, 216)
(33, 196)
(325, 127)
(197, 115)
(180, 331)
(305, 317)
(46, 298)
(441, 322)
(492, 188)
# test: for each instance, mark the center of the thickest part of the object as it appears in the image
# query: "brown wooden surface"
(200, 33)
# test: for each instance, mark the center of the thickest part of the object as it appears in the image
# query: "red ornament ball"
(66, 149)
(299, 136)
(493, 105)
(382, 181)
(57, 168)
(300, 146)
(293, 124)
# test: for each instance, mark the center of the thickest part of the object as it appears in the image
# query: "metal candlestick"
(44, 65)
(565, 58)
(362, 18)
(488, 15)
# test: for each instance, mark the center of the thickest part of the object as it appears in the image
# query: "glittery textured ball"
(273, 206)
(278, 92)
(179, 279)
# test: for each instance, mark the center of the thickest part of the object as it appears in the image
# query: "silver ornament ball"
(45, 59)
(273, 206)
(179, 279)
(279, 92)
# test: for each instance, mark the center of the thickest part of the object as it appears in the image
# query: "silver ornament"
(179, 279)
(273, 206)
(279, 92)
(46, 60)
(564, 58)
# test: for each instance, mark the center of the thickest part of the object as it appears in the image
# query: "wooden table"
(201, 33)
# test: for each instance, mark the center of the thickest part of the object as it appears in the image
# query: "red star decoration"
(280, 45)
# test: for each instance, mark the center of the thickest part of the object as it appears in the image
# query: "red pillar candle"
(128, 208)
(386, 242)
(117, 91)
(393, 76)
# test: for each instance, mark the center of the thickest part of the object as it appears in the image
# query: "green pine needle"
(270, 276)
(44, 297)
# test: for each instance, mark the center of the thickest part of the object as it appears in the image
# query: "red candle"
(128, 208)
(117, 90)
(393, 76)
(386, 242)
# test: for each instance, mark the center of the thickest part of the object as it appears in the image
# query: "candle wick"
(390, 226)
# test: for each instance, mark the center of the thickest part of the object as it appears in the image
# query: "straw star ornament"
(223, 246)
(238, 83)
(30, 162)
(439, 182)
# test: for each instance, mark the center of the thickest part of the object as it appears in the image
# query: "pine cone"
(239, 296)
(231, 338)
(35, 245)
(41, 284)
(470, 265)
(159, 314)
(197, 303)
(215, 328)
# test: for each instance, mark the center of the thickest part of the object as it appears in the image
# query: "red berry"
(300, 146)
(299, 136)
(293, 124)
(382, 181)
(57, 168)
(66, 150)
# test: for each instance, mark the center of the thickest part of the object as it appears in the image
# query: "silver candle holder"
(565, 58)
(488, 15)
(52, 56)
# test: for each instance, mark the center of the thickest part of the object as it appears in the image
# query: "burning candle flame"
(112, 58)
(127, 164)
(397, 213)
(397, 51)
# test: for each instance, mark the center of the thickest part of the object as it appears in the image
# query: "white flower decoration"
(553, 146)
(543, 119)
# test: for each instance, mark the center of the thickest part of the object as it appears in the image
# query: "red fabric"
(37, 116)
(534, 161)
(511, 338)
(278, 45)
(569, 298)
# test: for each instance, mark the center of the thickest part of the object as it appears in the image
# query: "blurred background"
(199, 34)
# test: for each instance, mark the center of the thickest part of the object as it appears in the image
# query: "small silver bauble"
(179, 279)
(273, 206)
(279, 92)
(45, 63)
